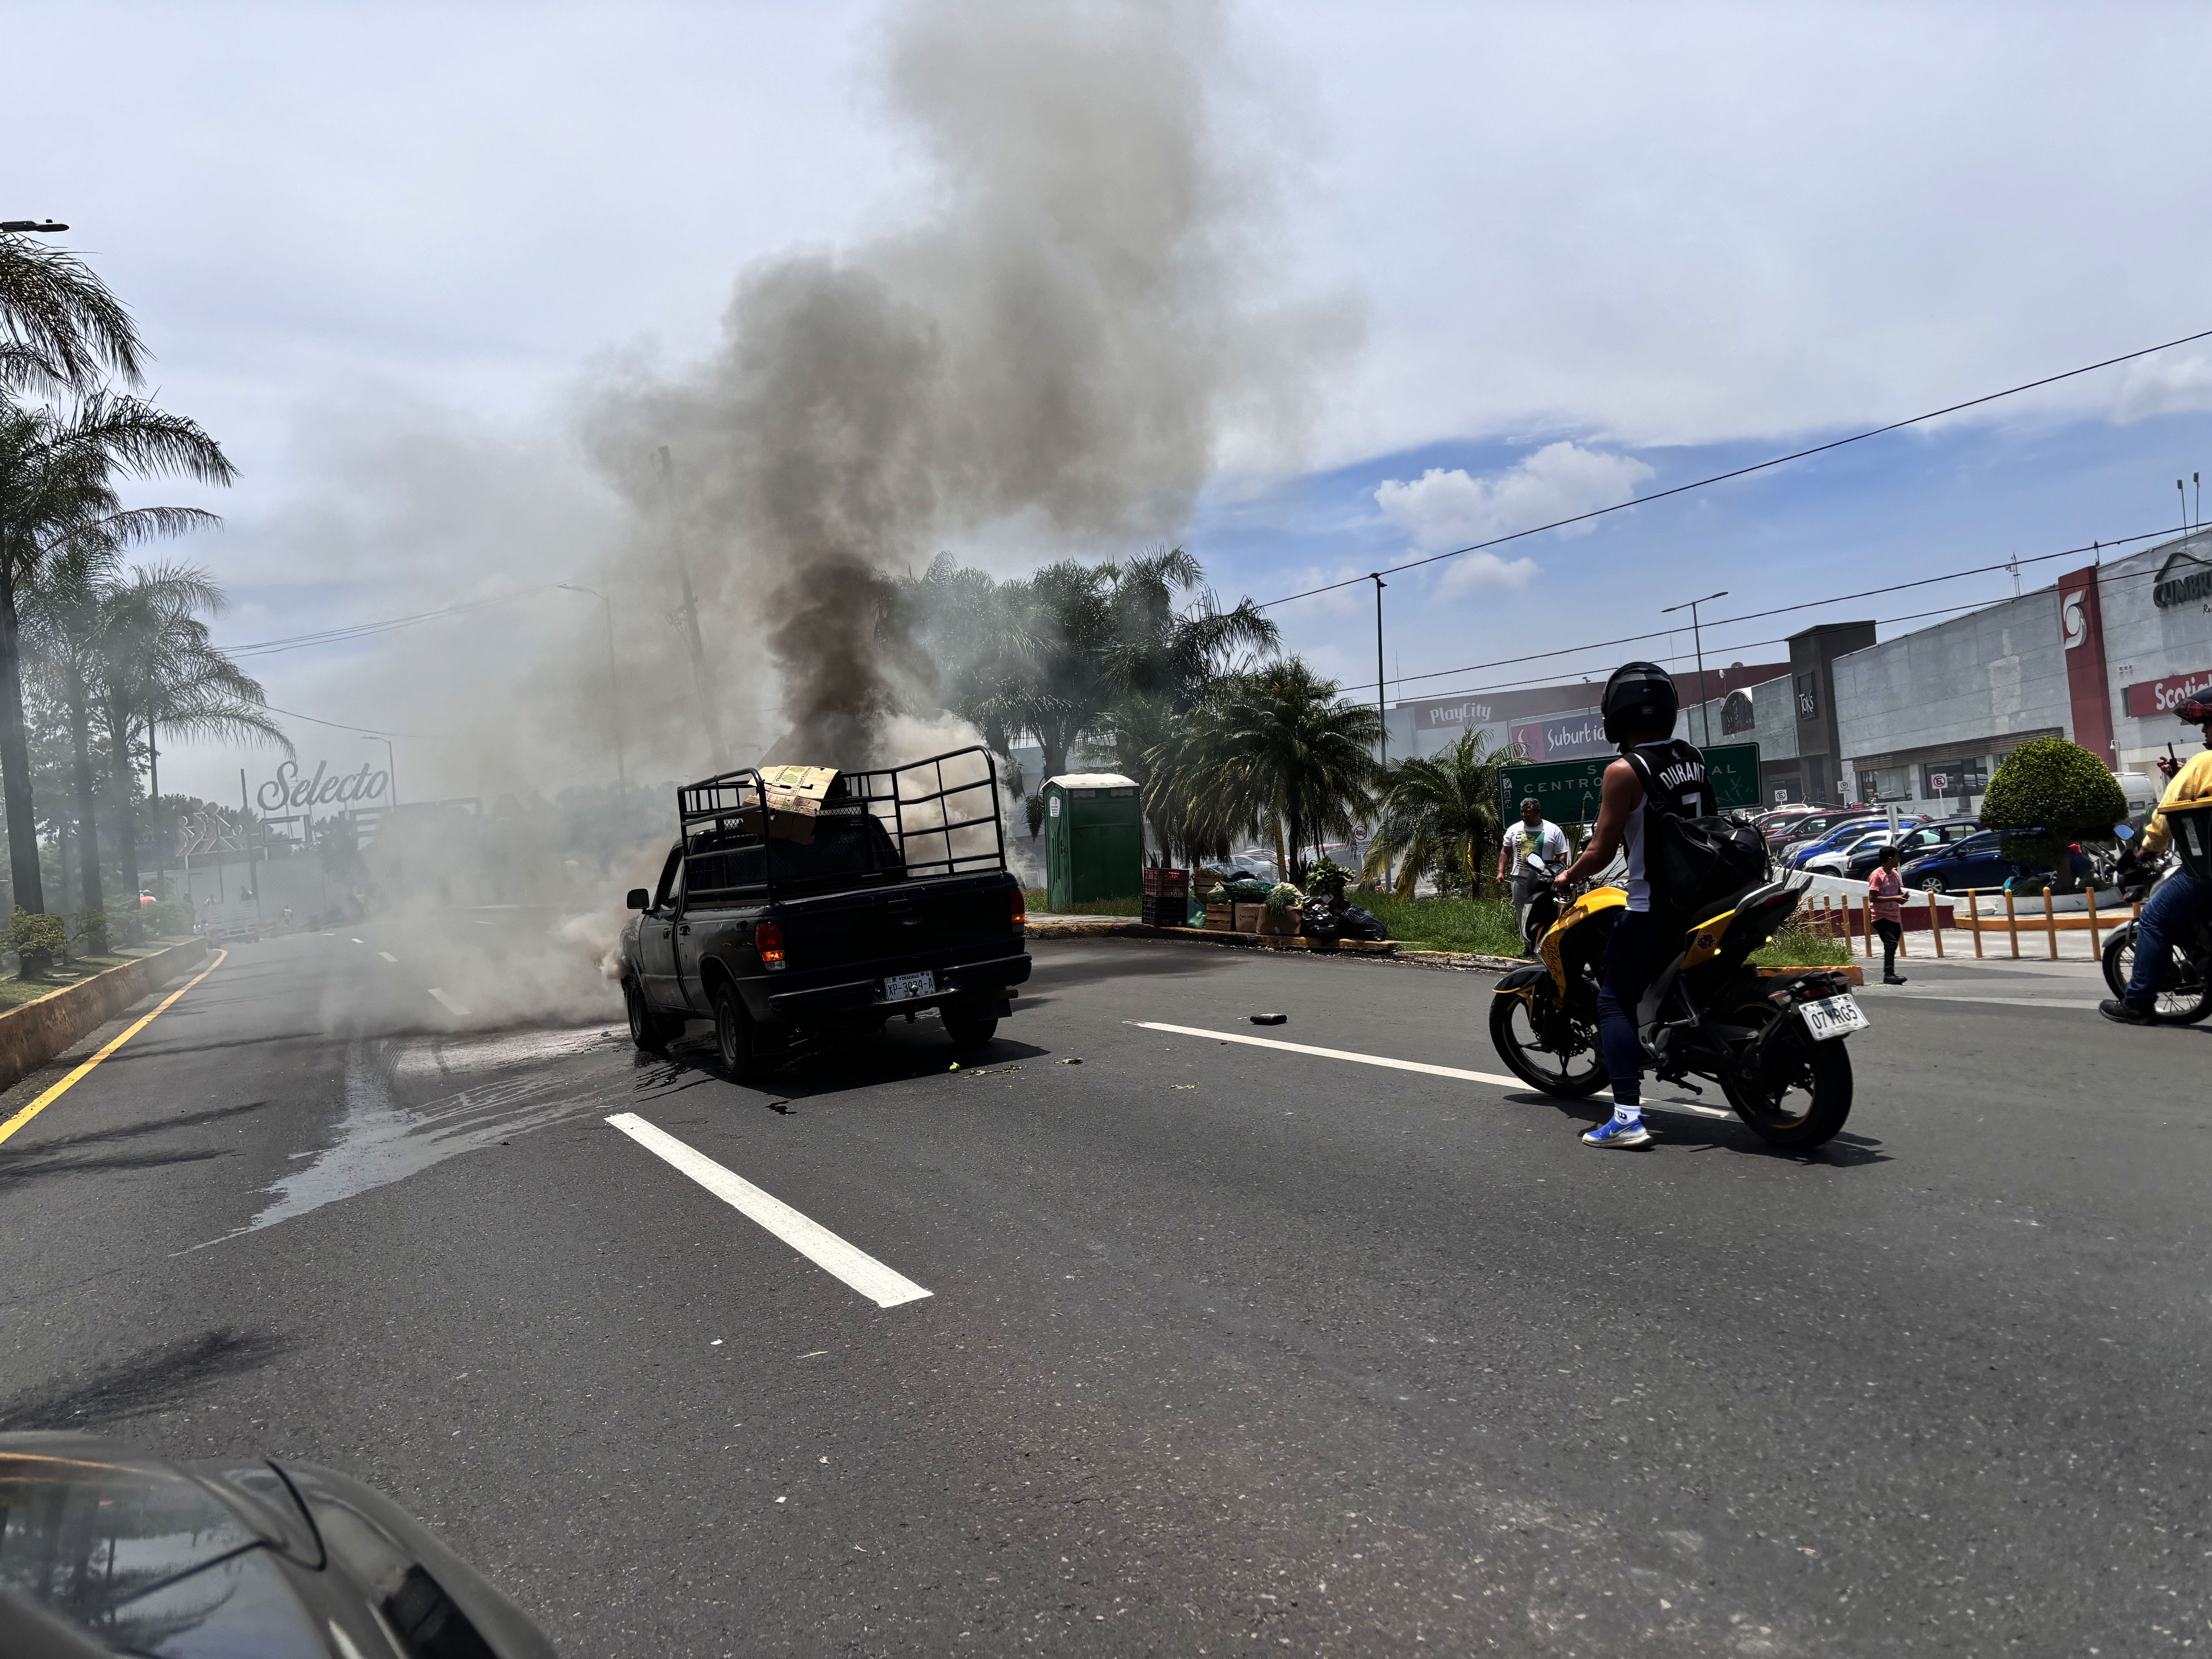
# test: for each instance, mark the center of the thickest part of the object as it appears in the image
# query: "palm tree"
(60, 327)
(61, 624)
(158, 667)
(1273, 745)
(57, 474)
(1439, 811)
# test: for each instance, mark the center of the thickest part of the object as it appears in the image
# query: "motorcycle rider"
(2181, 897)
(1533, 836)
(1639, 706)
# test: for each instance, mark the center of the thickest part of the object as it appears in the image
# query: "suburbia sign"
(2146, 699)
(2184, 579)
(288, 788)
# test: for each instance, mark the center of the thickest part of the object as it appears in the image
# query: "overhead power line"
(365, 731)
(1742, 471)
(359, 630)
(2094, 547)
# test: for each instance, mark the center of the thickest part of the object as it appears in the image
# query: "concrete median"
(33, 1034)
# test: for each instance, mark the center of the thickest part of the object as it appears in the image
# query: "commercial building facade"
(2101, 656)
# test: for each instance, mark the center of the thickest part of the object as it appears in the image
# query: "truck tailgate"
(872, 933)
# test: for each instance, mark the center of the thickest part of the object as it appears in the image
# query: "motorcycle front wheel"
(2187, 998)
(1804, 1092)
(1520, 1041)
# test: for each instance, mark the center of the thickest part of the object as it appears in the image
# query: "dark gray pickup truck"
(788, 919)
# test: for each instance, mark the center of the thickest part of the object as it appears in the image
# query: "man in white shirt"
(1533, 836)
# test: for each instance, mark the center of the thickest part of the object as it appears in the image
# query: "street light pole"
(1381, 713)
(1697, 640)
(614, 685)
(391, 765)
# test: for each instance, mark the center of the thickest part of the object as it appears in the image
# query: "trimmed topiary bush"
(2048, 794)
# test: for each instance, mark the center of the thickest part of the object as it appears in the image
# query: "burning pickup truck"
(801, 903)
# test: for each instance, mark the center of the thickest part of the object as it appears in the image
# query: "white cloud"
(1443, 509)
(2163, 385)
(1472, 571)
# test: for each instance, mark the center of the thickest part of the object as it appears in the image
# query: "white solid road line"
(810, 1238)
(387, 955)
(448, 1003)
(357, 941)
(1396, 1065)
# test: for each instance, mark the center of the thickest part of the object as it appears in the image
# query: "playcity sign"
(288, 788)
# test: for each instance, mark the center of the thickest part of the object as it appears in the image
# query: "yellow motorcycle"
(1770, 1039)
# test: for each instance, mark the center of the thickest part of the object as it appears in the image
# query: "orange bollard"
(2051, 924)
(1974, 916)
(2012, 924)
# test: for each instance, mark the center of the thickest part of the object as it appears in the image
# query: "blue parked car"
(1976, 861)
(1835, 839)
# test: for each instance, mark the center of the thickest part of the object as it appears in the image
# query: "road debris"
(1268, 1020)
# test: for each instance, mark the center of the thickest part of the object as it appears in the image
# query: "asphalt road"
(1226, 1348)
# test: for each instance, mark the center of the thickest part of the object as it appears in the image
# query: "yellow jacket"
(2191, 784)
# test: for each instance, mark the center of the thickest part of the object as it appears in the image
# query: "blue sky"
(1894, 508)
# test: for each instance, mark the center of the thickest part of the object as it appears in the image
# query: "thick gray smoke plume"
(1056, 344)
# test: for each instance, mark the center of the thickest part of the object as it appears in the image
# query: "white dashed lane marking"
(810, 1238)
(387, 955)
(1397, 1065)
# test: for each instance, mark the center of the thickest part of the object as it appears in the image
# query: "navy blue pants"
(2172, 911)
(1643, 943)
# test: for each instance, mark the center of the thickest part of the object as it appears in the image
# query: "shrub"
(168, 915)
(36, 941)
(90, 933)
(2048, 794)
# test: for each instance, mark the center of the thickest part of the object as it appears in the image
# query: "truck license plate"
(1831, 1017)
(904, 988)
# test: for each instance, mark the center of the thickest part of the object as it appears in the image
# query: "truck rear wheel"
(968, 1027)
(733, 1034)
(647, 1029)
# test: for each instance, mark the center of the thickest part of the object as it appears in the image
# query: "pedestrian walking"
(1886, 897)
(1535, 836)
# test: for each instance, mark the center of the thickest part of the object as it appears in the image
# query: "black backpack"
(1695, 857)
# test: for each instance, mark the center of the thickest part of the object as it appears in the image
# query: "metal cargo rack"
(893, 795)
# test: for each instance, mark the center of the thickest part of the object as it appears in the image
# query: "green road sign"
(1568, 790)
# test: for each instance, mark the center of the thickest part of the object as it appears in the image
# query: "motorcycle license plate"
(1831, 1017)
(904, 988)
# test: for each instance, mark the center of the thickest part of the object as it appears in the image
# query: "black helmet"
(1639, 695)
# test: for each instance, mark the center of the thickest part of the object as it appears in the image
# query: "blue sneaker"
(1613, 1133)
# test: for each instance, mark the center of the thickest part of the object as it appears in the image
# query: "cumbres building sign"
(288, 789)
(2184, 579)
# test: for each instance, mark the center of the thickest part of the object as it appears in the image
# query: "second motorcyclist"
(2181, 897)
(1656, 772)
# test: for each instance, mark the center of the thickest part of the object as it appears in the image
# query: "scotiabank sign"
(2082, 630)
(2146, 699)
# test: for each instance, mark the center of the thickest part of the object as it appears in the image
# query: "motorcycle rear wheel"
(2188, 1000)
(1805, 1095)
(1520, 1044)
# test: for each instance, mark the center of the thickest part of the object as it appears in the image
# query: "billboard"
(1567, 790)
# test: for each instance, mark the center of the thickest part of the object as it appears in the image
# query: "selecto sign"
(288, 788)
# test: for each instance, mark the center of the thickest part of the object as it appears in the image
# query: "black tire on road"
(967, 1027)
(1514, 1035)
(733, 1034)
(1808, 1095)
(646, 1029)
(2183, 1005)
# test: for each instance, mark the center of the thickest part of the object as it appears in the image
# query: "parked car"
(1976, 861)
(1807, 826)
(1833, 856)
(1911, 843)
(1839, 835)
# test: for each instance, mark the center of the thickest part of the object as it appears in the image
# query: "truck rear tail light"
(1021, 909)
(769, 939)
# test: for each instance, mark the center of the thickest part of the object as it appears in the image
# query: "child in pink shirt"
(1884, 896)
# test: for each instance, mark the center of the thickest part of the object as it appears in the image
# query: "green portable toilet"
(1094, 839)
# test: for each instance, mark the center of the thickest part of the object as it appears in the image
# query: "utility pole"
(1381, 713)
(1704, 713)
(708, 712)
(614, 686)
